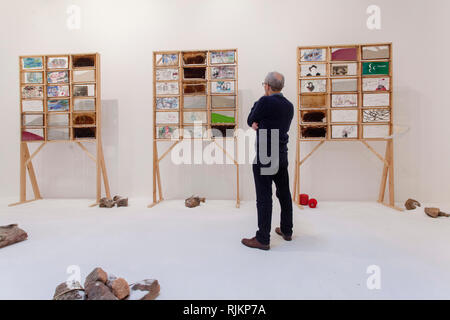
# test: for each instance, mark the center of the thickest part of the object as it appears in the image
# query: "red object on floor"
(304, 199)
(312, 203)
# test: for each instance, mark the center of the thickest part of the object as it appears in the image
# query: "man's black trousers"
(263, 184)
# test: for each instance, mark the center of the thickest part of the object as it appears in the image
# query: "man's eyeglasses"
(264, 83)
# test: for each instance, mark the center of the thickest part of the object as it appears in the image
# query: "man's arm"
(257, 113)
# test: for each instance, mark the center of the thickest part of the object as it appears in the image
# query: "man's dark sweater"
(273, 112)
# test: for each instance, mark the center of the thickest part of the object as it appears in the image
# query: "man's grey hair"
(275, 80)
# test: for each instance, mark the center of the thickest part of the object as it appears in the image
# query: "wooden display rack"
(345, 94)
(60, 101)
(189, 86)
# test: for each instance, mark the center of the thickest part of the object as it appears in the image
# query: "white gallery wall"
(266, 34)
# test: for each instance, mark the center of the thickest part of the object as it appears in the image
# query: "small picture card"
(166, 117)
(313, 86)
(167, 103)
(218, 57)
(32, 106)
(58, 105)
(84, 104)
(313, 54)
(87, 90)
(58, 62)
(344, 132)
(165, 74)
(170, 59)
(83, 75)
(31, 92)
(33, 77)
(32, 63)
(222, 87)
(58, 77)
(313, 70)
(167, 132)
(57, 91)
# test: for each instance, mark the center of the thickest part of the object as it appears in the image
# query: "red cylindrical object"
(312, 203)
(304, 198)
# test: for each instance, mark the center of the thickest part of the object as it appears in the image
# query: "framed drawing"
(344, 131)
(375, 131)
(84, 90)
(84, 61)
(33, 120)
(344, 54)
(194, 57)
(314, 116)
(314, 101)
(32, 106)
(83, 75)
(375, 52)
(223, 57)
(168, 103)
(313, 54)
(32, 63)
(193, 117)
(375, 68)
(344, 100)
(58, 120)
(344, 115)
(223, 72)
(29, 134)
(58, 91)
(376, 115)
(313, 70)
(376, 100)
(220, 102)
(84, 133)
(313, 86)
(57, 62)
(58, 105)
(194, 132)
(222, 117)
(58, 134)
(376, 84)
(166, 74)
(167, 117)
(193, 87)
(195, 102)
(33, 77)
(84, 104)
(168, 132)
(344, 69)
(344, 85)
(169, 59)
(222, 87)
(32, 92)
(313, 132)
(58, 77)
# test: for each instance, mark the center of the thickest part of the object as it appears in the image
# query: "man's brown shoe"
(254, 243)
(278, 231)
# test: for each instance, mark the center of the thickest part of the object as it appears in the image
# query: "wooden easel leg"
(294, 198)
(23, 172)
(98, 170)
(236, 148)
(24, 166)
(385, 174)
(391, 174)
(32, 175)
(156, 177)
(104, 173)
(297, 177)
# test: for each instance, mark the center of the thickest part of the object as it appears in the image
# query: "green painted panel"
(375, 68)
(220, 118)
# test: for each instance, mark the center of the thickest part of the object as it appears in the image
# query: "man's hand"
(255, 126)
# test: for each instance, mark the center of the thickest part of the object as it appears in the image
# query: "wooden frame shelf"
(322, 66)
(169, 101)
(38, 101)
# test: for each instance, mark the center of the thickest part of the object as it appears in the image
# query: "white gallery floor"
(197, 254)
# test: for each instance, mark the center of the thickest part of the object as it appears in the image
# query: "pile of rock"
(117, 200)
(99, 286)
(11, 234)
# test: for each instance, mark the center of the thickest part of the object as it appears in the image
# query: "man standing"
(271, 117)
